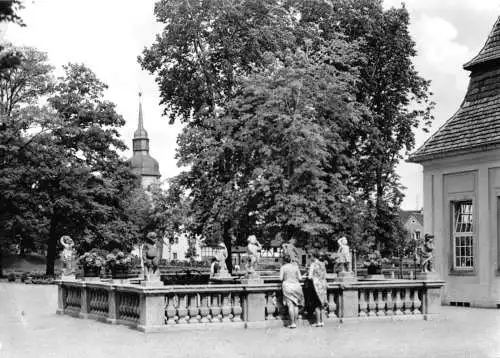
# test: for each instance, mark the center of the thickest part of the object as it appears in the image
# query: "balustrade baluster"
(170, 310)
(226, 308)
(215, 309)
(182, 309)
(193, 309)
(408, 302)
(380, 303)
(270, 306)
(363, 305)
(204, 309)
(398, 303)
(237, 309)
(332, 306)
(371, 304)
(389, 303)
(416, 302)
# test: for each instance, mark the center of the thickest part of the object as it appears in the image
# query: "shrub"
(93, 259)
(11, 277)
(120, 260)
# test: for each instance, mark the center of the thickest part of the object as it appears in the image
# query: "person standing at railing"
(317, 274)
(293, 297)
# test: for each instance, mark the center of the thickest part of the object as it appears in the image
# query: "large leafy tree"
(65, 175)
(397, 96)
(361, 151)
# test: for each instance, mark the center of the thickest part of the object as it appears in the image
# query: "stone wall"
(203, 306)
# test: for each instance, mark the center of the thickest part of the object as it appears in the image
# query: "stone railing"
(197, 306)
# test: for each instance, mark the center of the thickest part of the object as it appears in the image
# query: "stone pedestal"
(345, 276)
(350, 303)
(152, 313)
(432, 299)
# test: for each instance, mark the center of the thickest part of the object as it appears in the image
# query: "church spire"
(140, 132)
(140, 141)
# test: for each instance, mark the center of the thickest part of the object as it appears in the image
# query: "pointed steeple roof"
(142, 163)
(475, 126)
(140, 132)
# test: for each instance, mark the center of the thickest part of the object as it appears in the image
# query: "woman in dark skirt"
(318, 296)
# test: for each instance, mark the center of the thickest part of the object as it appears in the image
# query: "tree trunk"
(51, 248)
(228, 243)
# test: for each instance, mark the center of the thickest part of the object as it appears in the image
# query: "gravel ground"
(29, 327)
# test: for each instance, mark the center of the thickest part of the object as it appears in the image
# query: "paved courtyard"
(29, 327)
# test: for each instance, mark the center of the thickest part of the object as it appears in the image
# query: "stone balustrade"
(197, 306)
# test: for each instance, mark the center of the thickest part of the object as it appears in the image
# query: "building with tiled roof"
(413, 222)
(461, 163)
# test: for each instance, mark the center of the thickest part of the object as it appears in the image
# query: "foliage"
(117, 259)
(206, 45)
(93, 259)
(63, 174)
(298, 113)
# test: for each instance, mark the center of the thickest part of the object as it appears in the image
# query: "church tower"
(142, 163)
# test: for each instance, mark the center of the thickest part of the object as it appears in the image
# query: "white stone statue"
(67, 255)
(253, 249)
(344, 255)
(221, 258)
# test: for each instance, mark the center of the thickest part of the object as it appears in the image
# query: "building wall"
(414, 228)
(177, 249)
(473, 177)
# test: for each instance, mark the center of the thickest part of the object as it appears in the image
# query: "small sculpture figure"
(291, 250)
(221, 259)
(426, 254)
(67, 255)
(344, 255)
(151, 257)
(253, 249)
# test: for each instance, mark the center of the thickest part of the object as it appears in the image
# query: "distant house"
(462, 186)
(413, 221)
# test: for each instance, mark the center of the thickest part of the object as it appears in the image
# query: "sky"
(109, 35)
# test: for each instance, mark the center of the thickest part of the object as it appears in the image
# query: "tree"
(275, 161)
(370, 143)
(397, 96)
(69, 174)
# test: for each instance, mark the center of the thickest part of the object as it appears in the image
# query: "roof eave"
(420, 158)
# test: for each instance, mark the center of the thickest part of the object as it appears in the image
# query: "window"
(463, 235)
(174, 256)
(176, 240)
(417, 235)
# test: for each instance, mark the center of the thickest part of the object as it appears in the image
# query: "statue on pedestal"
(253, 249)
(151, 257)
(344, 255)
(290, 249)
(221, 259)
(67, 256)
(426, 254)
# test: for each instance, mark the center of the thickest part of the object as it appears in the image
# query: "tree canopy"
(61, 171)
(297, 112)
